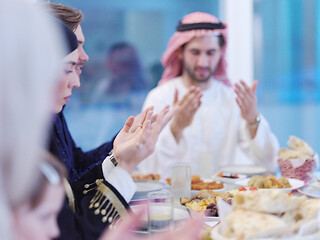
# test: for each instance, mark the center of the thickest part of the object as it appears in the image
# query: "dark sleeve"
(84, 161)
(98, 205)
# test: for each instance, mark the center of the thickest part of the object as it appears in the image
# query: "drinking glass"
(206, 166)
(160, 211)
(181, 180)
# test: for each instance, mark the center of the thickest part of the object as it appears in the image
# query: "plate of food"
(198, 184)
(270, 182)
(244, 169)
(146, 186)
(227, 177)
(205, 202)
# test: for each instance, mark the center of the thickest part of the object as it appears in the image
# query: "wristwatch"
(113, 159)
(256, 123)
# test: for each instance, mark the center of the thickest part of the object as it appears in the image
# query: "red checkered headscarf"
(194, 25)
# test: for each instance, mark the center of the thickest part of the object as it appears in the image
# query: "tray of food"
(271, 182)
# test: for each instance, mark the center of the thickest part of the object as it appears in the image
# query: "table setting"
(242, 202)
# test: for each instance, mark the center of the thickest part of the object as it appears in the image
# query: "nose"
(75, 82)
(203, 60)
(83, 56)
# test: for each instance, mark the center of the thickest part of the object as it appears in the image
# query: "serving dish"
(295, 184)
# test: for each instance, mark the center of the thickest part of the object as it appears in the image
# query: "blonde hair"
(69, 15)
(30, 59)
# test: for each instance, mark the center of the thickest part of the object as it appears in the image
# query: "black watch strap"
(113, 159)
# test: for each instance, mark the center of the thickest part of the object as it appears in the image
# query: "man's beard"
(193, 76)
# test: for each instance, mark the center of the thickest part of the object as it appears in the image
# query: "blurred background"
(274, 41)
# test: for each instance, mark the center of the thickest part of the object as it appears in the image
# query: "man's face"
(200, 58)
(83, 57)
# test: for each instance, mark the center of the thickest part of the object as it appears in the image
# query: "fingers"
(170, 115)
(146, 127)
(154, 118)
(148, 115)
(242, 89)
(162, 113)
(191, 100)
(138, 119)
(254, 86)
(148, 112)
(245, 95)
(128, 124)
(176, 96)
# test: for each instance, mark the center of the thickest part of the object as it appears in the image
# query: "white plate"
(229, 180)
(242, 169)
(144, 187)
(295, 183)
(310, 191)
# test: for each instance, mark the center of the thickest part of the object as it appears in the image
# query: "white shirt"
(215, 136)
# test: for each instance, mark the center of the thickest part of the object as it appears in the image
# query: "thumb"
(254, 86)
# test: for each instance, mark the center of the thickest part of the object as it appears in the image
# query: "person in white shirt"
(216, 124)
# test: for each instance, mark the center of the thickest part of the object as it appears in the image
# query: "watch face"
(258, 119)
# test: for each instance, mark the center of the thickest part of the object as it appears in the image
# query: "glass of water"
(181, 180)
(160, 211)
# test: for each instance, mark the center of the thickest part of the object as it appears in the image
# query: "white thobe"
(214, 138)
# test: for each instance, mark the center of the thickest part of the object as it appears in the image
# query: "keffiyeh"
(200, 24)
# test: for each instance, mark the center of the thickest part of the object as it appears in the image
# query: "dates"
(212, 209)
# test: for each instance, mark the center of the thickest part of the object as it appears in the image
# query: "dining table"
(211, 222)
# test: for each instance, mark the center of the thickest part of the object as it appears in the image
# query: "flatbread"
(299, 145)
(307, 211)
(242, 224)
(267, 201)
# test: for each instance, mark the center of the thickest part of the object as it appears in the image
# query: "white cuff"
(107, 167)
(121, 180)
